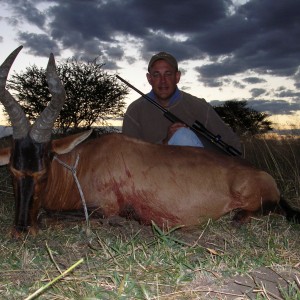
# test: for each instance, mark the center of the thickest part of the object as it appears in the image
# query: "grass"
(122, 260)
(281, 158)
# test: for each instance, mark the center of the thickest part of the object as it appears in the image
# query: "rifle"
(197, 127)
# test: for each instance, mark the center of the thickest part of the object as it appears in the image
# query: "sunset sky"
(226, 49)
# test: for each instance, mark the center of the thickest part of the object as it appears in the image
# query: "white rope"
(73, 170)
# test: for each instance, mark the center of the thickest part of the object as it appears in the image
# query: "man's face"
(163, 78)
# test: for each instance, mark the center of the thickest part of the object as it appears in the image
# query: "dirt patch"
(263, 283)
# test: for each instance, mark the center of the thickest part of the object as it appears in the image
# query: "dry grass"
(281, 158)
(123, 260)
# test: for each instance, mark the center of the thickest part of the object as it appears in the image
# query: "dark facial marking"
(29, 163)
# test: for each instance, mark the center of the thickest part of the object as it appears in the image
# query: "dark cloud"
(38, 44)
(271, 107)
(286, 93)
(297, 78)
(257, 92)
(259, 36)
(253, 80)
(25, 10)
(275, 107)
(238, 85)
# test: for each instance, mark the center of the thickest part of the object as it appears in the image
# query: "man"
(145, 121)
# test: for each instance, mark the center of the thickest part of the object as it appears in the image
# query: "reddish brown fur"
(167, 185)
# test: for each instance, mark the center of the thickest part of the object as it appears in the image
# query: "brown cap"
(165, 56)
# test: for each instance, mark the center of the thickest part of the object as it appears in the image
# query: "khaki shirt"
(145, 121)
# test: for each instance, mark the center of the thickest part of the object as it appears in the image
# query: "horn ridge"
(42, 128)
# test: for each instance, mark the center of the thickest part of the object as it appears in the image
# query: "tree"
(243, 120)
(93, 96)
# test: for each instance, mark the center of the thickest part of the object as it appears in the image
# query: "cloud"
(257, 92)
(253, 80)
(288, 94)
(229, 38)
(275, 107)
(27, 11)
(237, 84)
(271, 107)
(258, 35)
(38, 44)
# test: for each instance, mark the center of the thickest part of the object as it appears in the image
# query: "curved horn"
(16, 114)
(42, 128)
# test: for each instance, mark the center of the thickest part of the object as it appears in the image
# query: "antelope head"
(30, 155)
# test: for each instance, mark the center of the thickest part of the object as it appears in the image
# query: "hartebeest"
(118, 175)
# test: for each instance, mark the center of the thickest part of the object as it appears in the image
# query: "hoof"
(240, 218)
(18, 234)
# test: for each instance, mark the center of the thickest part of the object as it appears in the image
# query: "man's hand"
(171, 130)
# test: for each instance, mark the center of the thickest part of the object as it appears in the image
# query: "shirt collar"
(174, 98)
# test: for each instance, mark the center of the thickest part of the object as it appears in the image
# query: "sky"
(226, 49)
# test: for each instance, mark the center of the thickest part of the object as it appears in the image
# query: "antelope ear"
(5, 156)
(67, 144)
